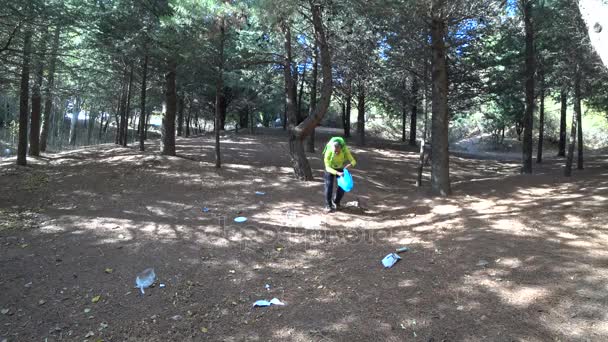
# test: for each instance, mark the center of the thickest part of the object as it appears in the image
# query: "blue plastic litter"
(390, 260)
(260, 193)
(205, 209)
(240, 219)
(262, 302)
(346, 181)
(145, 279)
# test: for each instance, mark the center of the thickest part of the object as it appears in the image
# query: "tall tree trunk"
(101, 123)
(128, 109)
(180, 117)
(296, 148)
(91, 126)
(349, 102)
(579, 121)
(122, 112)
(48, 95)
(74, 121)
(142, 114)
(414, 114)
(168, 125)
(298, 133)
(37, 100)
(313, 97)
(403, 111)
(24, 98)
(562, 123)
(573, 130)
(188, 117)
(541, 124)
(219, 95)
(301, 93)
(440, 161)
(529, 72)
(361, 114)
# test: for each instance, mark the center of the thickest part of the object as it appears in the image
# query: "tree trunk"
(573, 130)
(298, 133)
(167, 145)
(403, 111)
(91, 126)
(440, 162)
(300, 164)
(37, 101)
(301, 93)
(128, 109)
(529, 73)
(74, 121)
(220, 101)
(101, 123)
(541, 124)
(579, 123)
(24, 98)
(188, 117)
(414, 114)
(361, 114)
(313, 97)
(180, 117)
(562, 123)
(122, 112)
(142, 114)
(349, 101)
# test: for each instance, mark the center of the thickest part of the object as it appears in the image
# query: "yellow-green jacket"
(335, 161)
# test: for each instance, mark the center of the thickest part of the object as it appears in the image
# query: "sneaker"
(336, 206)
(328, 209)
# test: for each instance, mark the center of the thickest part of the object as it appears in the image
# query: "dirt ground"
(506, 258)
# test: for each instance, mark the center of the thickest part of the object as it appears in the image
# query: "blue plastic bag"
(346, 181)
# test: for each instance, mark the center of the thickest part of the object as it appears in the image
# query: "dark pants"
(329, 189)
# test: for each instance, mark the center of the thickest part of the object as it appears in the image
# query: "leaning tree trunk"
(361, 114)
(300, 164)
(37, 101)
(440, 161)
(167, 146)
(562, 123)
(313, 97)
(575, 116)
(414, 114)
(541, 124)
(142, 114)
(298, 133)
(23, 99)
(529, 72)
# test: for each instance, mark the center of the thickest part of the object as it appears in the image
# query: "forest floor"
(508, 257)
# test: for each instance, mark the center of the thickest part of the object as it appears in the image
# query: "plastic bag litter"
(145, 279)
(240, 219)
(262, 302)
(346, 181)
(390, 260)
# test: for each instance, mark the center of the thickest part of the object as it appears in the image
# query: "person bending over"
(335, 154)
